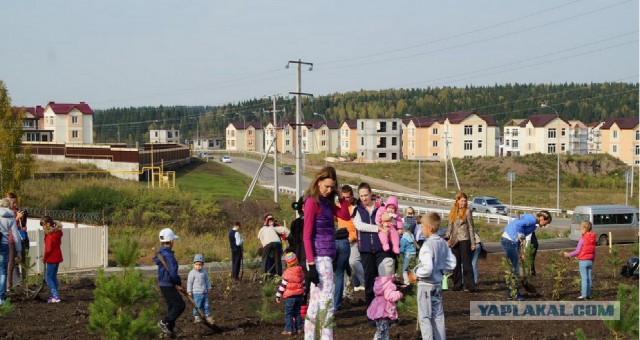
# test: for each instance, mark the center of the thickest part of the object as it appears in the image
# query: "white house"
(69, 123)
(164, 136)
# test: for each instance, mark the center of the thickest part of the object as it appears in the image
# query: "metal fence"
(94, 218)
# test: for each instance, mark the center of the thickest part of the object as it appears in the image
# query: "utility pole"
(455, 176)
(299, 94)
(275, 151)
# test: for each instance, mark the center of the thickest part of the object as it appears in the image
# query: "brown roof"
(317, 123)
(239, 125)
(623, 123)
(540, 120)
(352, 123)
(37, 111)
(66, 108)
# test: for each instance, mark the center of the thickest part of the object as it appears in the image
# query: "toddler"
(383, 307)
(388, 216)
(198, 286)
(586, 252)
(292, 291)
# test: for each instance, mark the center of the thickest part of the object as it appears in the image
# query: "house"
(470, 135)
(379, 140)
(33, 124)
(320, 136)
(164, 136)
(69, 123)
(594, 138)
(245, 136)
(510, 145)
(621, 139)
(578, 138)
(422, 138)
(546, 133)
(207, 144)
(348, 137)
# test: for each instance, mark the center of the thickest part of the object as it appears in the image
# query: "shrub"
(93, 198)
(628, 322)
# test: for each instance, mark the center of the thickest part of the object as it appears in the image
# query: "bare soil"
(234, 308)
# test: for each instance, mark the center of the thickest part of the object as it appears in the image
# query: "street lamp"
(558, 152)
(328, 136)
(419, 159)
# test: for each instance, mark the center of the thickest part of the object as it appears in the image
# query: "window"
(324, 143)
(382, 142)
(514, 133)
(382, 127)
(551, 133)
(468, 145)
(413, 145)
(74, 119)
(74, 134)
(529, 131)
(614, 148)
(551, 148)
(169, 134)
(637, 134)
(324, 132)
(45, 138)
(515, 143)
(480, 144)
(382, 155)
(250, 132)
(362, 141)
(156, 133)
(434, 143)
(304, 133)
(394, 127)
(361, 125)
(286, 142)
(27, 124)
(394, 155)
(467, 157)
(615, 134)
(434, 131)
(394, 141)
(507, 142)
(479, 128)
(563, 132)
(563, 147)
(468, 130)
(286, 132)
(435, 154)
(637, 150)
(346, 144)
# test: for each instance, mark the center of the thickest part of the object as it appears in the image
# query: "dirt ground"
(234, 308)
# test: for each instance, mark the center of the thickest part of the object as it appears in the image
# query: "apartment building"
(164, 136)
(510, 142)
(594, 138)
(379, 140)
(423, 138)
(544, 134)
(469, 135)
(69, 123)
(349, 137)
(578, 138)
(319, 136)
(245, 136)
(621, 139)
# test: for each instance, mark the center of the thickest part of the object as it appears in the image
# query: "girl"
(586, 252)
(320, 248)
(52, 255)
(462, 241)
(391, 207)
(383, 307)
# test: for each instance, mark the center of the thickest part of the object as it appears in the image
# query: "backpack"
(631, 268)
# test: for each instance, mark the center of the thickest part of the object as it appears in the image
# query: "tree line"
(585, 102)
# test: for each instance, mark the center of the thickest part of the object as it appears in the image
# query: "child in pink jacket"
(395, 223)
(383, 307)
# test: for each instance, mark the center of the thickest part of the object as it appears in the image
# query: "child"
(52, 255)
(586, 252)
(292, 291)
(235, 243)
(169, 282)
(408, 248)
(198, 286)
(393, 221)
(435, 258)
(383, 307)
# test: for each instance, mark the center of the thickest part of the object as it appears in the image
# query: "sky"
(121, 53)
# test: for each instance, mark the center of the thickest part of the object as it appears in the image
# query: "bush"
(93, 198)
(628, 322)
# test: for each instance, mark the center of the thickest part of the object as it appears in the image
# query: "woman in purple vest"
(320, 248)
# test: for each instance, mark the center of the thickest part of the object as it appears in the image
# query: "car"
(489, 205)
(225, 159)
(286, 170)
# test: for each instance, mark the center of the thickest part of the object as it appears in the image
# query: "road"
(250, 166)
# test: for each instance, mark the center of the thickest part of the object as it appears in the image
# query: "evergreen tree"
(16, 163)
(124, 306)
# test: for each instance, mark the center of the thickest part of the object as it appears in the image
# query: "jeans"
(585, 276)
(175, 305)
(320, 299)
(406, 260)
(343, 250)
(474, 261)
(4, 262)
(292, 306)
(51, 276)
(430, 311)
(203, 303)
(511, 251)
(356, 266)
(382, 330)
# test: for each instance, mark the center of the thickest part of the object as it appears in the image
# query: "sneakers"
(358, 289)
(197, 319)
(53, 299)
(210, 319)
(581, 297)
(165, 328)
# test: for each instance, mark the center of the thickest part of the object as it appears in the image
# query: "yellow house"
(241, 136)
(544, 134)
(621, 139)
(348, 137)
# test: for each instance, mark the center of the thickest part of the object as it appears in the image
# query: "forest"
(585, 102)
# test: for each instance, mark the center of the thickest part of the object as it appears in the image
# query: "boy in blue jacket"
(169, 282)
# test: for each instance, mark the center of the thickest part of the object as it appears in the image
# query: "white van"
(620, 220)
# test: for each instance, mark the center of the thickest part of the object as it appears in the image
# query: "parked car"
(286, 170)
(225, 159)
(618, 221)
(489, 205)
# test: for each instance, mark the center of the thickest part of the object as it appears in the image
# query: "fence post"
(75, 220)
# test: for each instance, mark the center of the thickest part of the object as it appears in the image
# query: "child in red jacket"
(52, 255)
(586, 252)
(292, 291)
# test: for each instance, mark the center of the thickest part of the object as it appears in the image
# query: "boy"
(292, 291)
(435, 258)
(198, 286)
(169, 282)
(235, 243)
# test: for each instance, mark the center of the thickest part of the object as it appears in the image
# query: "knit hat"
(290, 258)
(198, 258)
